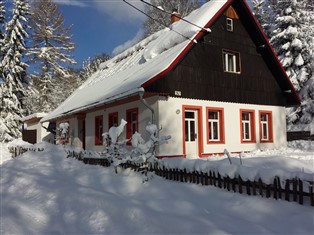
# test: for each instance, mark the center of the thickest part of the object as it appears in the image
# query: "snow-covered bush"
(63, 133)
(114, 147)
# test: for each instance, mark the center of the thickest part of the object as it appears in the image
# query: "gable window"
(229, 24)
(266, 128)
(98, 130)
(231, 61)
(247, 126)
(215, 117)
(132, 122)
(113, 119)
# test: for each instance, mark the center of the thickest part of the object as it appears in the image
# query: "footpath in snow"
(47, 193)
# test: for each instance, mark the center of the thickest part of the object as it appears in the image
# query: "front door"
(191, 133)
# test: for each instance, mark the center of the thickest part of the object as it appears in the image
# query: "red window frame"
(113, 119)
(99, 129)
(251, 126)
(221, 125)
(132, 125)
(269, 126)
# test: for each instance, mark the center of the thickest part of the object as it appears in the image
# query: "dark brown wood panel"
(200, 73)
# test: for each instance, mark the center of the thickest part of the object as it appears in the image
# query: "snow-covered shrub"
(114, 147)
(63, 133)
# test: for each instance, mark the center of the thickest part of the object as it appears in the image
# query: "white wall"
(41, 133)
(145, 116)
(170, 117)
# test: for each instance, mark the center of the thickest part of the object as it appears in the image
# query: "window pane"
(265, 131)
(189, 115)
(215, 131)
(212, 114)
(264, 117)
(186, 130)
(247, 130)
(192, 130)
(231, 59)
(246, 116)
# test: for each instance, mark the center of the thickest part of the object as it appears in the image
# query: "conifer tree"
(293, 42)
(184, 7)
(2, 22)
(13, 70)
(50, 53)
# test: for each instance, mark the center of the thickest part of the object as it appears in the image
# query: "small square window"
(231, 61)
(229, 24)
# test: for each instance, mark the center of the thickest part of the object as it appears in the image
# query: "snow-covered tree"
(184, 7)
(50, 53)
(292, 39)
(13, 70)
(263, 11)
(2, 22)
(91, 64)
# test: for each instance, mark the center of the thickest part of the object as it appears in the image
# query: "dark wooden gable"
(200, 73)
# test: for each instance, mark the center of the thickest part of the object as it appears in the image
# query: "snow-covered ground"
(47, 193)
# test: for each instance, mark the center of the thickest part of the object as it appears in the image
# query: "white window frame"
(229, 25)
(246, 127)
(265, 124)
(234, 58)
(211, 123)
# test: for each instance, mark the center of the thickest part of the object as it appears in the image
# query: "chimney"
(175, 16)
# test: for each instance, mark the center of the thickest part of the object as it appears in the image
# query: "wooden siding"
(200, 73)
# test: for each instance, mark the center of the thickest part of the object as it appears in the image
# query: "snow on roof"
(32, 116)
(124, 74)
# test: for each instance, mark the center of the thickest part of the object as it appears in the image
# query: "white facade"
(32, 122)
(169, 116)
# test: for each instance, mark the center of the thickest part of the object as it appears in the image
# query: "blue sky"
(101, 26)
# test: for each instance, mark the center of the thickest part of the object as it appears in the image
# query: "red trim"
(188, 47)
(128, 125)
(110, 119)
(221, 125)
(201, 33)
(252, 126)
(99, 128)
(200, 127)
(219, 154)
(270, 126)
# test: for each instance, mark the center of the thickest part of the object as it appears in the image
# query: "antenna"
(159, 22)
(170, 13)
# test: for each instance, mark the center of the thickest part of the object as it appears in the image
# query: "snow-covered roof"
(33, 116)
(126, 73)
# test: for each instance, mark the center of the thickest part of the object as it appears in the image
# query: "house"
(211, 81)
(35, 132)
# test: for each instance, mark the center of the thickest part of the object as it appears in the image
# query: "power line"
(170, 13)
(158, 21)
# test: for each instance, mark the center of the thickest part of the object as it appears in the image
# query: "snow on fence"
(18, 150)
(293, 189)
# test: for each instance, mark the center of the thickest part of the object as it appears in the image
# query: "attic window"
(229, 24)
(231, 61)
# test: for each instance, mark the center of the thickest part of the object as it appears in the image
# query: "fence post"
(300, 192)
(311, 193)
(295, 190)
(248, 189)
(287, 190)
(275, 188)
(240, 184)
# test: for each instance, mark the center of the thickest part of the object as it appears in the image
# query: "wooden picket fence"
(292, 191)
(18, 150)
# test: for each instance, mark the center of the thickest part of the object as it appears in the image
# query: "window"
(215, 117)
(132, 122)
(247, 126)
(231, 61)
(98, 130)
(113, 119)
(229, 24)
(266, 126)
